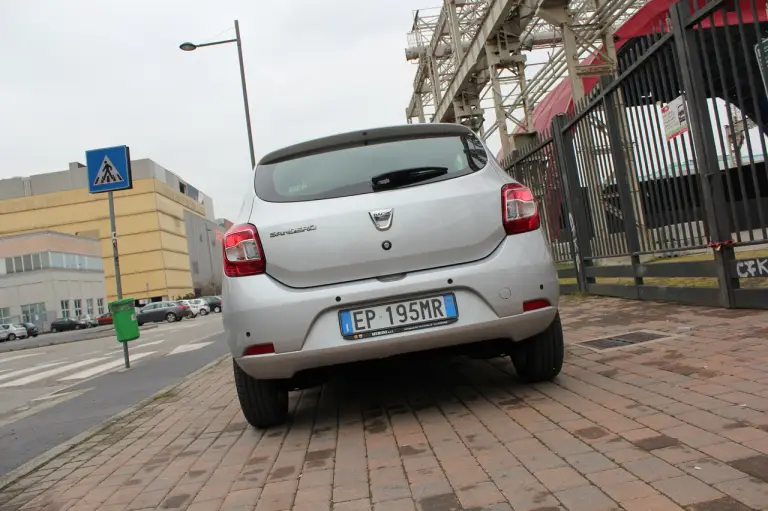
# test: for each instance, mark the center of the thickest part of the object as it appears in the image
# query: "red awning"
(643, 22)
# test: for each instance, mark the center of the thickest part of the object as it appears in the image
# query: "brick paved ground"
(680, 423)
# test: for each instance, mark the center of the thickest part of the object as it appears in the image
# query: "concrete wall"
(11, 188)
(48, 241)
(205, 253)
(50, 287)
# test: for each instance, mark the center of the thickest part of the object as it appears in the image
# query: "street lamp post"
(192, 46)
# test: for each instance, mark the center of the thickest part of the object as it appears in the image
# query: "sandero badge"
(305, 228)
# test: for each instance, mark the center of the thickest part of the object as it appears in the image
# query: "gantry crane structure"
(504, 56)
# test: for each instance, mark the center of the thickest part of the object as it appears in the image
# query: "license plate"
(397, 317)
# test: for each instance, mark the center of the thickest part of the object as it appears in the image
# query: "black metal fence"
(655, 185)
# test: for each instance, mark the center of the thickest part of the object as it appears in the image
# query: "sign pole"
(109, 169)
(116, 258)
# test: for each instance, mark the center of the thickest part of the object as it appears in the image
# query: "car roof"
(369, 135)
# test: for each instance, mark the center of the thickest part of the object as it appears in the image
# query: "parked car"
(64, 324)
(375, 243)
(88, 321)
(105, 319)
(214, 302)
(10, 332)
(30, 328)
(194, 310)
(200, 305)
(162, 311)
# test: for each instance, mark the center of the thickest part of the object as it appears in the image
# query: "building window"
(100, 305)
(93, 263)
(78, 308)
(9, 264)
(27, 262)
(65, 308)
(17, 266)
(45, 258)
(5, 315)
(57, 260)
(89, 306)
(36, 265)
(33, 312)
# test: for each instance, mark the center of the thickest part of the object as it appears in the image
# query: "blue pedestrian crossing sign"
(109, 169)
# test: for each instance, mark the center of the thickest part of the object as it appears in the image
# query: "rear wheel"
(264, 402)
(540, 358)
(170, 317)
(203, 312)
(12, 337)
(217, 309)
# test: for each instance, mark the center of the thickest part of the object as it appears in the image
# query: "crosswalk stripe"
(103, 367)
(143, 344)
(51, 372)
(28, 370)
(17, 357)
(184, 348)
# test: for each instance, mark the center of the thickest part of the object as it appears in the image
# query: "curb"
(4, 349)
(33, 464)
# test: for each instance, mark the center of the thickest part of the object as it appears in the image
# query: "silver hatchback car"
(381, 242)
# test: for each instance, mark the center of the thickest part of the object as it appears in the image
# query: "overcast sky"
(83, 74)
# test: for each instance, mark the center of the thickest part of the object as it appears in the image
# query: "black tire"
(217, 309)
(12, 337)
(54, 330)
(540, 358)
(263, 402)
(171, 317)
(203, 312)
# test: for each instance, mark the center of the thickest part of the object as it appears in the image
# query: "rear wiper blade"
(402, 177)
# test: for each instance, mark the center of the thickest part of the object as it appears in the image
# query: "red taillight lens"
(519, 212)
(533, 305)
(243, 254)
(259, 349)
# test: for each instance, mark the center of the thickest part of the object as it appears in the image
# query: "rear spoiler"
(362, 137)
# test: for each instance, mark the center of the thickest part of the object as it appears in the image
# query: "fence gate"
(655, 186)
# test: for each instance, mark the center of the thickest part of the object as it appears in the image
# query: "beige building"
(48, 275)
(169, 242)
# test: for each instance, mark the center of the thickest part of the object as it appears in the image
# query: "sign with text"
(674, 117)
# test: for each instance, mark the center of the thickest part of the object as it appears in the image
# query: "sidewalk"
(675, 423)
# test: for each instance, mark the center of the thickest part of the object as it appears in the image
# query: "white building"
(47, 275)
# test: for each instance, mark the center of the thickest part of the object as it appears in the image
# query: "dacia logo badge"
(382, 218)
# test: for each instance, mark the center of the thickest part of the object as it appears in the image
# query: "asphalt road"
(50, 338)
(51, 394)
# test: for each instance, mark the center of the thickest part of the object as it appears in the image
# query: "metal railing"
(666, 159)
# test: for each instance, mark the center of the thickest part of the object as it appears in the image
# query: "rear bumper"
(303, 324)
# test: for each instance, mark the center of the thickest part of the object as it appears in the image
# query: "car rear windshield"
(349, 170)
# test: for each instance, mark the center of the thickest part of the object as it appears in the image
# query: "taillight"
(243, 254)
(519, 212)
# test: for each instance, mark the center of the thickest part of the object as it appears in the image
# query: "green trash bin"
(124, 319)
